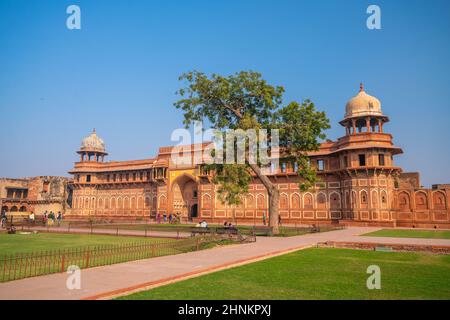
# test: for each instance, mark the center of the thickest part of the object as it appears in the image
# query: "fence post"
(63, 260)
(117, 231)
(87, 258)
(197, 243)
(91, 228)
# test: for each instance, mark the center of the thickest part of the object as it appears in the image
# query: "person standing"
(4, 218)
(44, 218)
(264, 218)
(32, 218)
(59, 218)
(279, 220)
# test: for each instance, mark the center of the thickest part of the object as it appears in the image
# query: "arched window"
(374, 198)
(353, 204)
(308, 201)
(162, 202)
(250, 201)
(335, 201)
(206, 201)
(364, 197)
(295, 203)
(261, 201)
(321, 201)
(421, 201)
(284, 201)
(439, 201)
(403, 201)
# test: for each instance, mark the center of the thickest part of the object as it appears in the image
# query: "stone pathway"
(107, 281)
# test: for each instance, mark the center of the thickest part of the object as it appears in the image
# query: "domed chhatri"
(363, 114)
(92, 148)
(93, 143)
(363, 105)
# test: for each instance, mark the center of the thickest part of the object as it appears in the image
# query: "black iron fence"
(23, 265)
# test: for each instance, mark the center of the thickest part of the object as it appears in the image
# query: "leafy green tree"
(246, 101)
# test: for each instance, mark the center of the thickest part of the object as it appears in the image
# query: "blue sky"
(119, 73)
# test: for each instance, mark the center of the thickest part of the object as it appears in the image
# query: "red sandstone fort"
(359, 184)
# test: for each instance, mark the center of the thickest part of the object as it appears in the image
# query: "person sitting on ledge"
(204, 224)
(12, 229)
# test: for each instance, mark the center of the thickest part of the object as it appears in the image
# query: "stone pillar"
(380, 125)
(368, 124)
(354, 126)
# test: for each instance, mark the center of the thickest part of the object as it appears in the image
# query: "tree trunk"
(274, 198)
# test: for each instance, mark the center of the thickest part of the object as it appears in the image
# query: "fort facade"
(359, 183)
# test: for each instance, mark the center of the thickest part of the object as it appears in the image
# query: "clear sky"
(119, 73)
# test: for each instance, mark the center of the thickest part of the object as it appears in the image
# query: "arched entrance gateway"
(185, 197)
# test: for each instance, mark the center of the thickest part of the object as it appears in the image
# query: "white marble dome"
(363, 105)
(93, 143)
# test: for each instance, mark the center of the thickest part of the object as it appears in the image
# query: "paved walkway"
(102, 282)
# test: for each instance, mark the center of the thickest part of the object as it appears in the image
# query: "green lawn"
(405, 233)
(319, 273)
(21, 243)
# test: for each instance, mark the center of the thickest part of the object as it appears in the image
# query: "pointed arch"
(421, 200)
(250, 201)
(284, 201)
(162, 201)
(321, 199)
(384, 199)
(439, 200)
(404, 201)
(374, 199)
(295, 201)
(119, 203)
(364, 199)
(308, 201)
(206, 201)
(260, 201)
(140, 202)
(335, 200)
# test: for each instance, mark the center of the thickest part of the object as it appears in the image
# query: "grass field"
(20, 243)
(404, 233)
(319, 274)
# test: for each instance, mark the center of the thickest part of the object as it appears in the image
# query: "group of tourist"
(164, 218)
(50, 218)
(228, 225)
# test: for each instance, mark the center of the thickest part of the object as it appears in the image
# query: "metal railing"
(24, 265)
